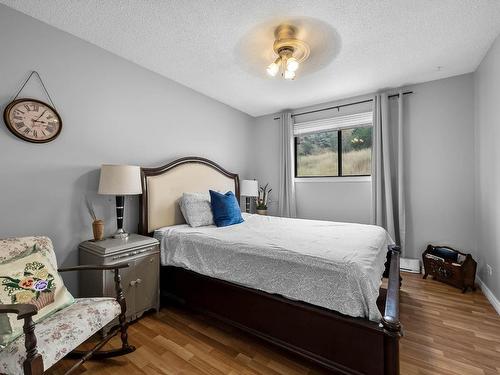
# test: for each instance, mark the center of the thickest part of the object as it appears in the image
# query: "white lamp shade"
(120, 180)
(249, 188)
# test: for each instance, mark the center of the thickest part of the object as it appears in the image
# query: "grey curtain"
(286, 200)
(388, 203)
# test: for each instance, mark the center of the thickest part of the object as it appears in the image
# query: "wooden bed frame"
(342, 344)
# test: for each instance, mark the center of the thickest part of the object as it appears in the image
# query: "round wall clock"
(32, 120)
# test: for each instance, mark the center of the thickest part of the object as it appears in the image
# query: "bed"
(310, 287)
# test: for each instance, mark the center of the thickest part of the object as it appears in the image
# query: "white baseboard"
(489, 295)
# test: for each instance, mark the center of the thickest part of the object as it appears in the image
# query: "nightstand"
(140, 281)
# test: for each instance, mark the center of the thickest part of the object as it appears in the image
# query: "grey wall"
(439, 131)
(487, 99)
(113, 112)
(348, 201)
(439, 126)
(266, 141)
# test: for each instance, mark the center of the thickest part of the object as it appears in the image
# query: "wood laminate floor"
(446, 332)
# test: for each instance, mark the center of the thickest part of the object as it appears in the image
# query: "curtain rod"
(343, 105)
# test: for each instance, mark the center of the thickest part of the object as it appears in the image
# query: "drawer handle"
(138, 281)
(130, 254)
(121, 256)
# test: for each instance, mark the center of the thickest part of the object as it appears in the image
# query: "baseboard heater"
(410, 265)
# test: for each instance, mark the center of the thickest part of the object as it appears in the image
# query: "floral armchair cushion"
(28, 274)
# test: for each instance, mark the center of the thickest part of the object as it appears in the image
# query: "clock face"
(32, 120)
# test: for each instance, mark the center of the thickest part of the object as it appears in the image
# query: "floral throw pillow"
(30, 277)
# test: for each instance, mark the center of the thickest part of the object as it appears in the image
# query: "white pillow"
(196, 209)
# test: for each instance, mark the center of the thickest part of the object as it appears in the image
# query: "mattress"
(334, 265)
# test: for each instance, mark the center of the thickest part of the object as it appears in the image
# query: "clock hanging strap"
(34, 72)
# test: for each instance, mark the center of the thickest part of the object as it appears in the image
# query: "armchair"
(56, 336)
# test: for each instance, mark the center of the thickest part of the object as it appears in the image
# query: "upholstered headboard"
(162, 188)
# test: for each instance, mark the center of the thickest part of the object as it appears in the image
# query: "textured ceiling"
(221, 47)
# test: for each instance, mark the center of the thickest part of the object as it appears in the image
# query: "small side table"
(140, 281)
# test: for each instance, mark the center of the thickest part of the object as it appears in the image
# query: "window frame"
(339, 155)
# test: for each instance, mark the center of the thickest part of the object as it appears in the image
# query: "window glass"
(316, 154)
(357, 151)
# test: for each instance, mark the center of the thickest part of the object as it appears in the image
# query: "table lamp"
(120, 180)
(248, 189)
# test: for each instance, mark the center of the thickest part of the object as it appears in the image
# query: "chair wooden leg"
(96, 353)
(33, 364)
(101, 354)
(122, 317)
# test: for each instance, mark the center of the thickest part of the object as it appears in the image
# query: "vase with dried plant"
(263, 199)
(97, 224)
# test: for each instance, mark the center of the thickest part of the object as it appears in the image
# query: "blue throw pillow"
(225, 209)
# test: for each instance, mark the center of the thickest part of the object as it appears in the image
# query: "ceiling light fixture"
(290, 50)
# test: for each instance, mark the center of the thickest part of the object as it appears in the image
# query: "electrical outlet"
(489, 270)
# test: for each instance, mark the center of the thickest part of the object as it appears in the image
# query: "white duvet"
(334, 265)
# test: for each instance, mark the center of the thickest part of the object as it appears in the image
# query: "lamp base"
(120, 208)
(121, 234)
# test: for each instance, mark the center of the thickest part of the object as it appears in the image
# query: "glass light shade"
(249, 188)
(120, 180)
(292, 64)
(289, 75)
(273, 69)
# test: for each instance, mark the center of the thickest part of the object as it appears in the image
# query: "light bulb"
(273, 69)
(292, 64)
(289, 75)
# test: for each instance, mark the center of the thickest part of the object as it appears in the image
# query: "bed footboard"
(340, 343)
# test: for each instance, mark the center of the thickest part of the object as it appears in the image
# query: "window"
(337, 147)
